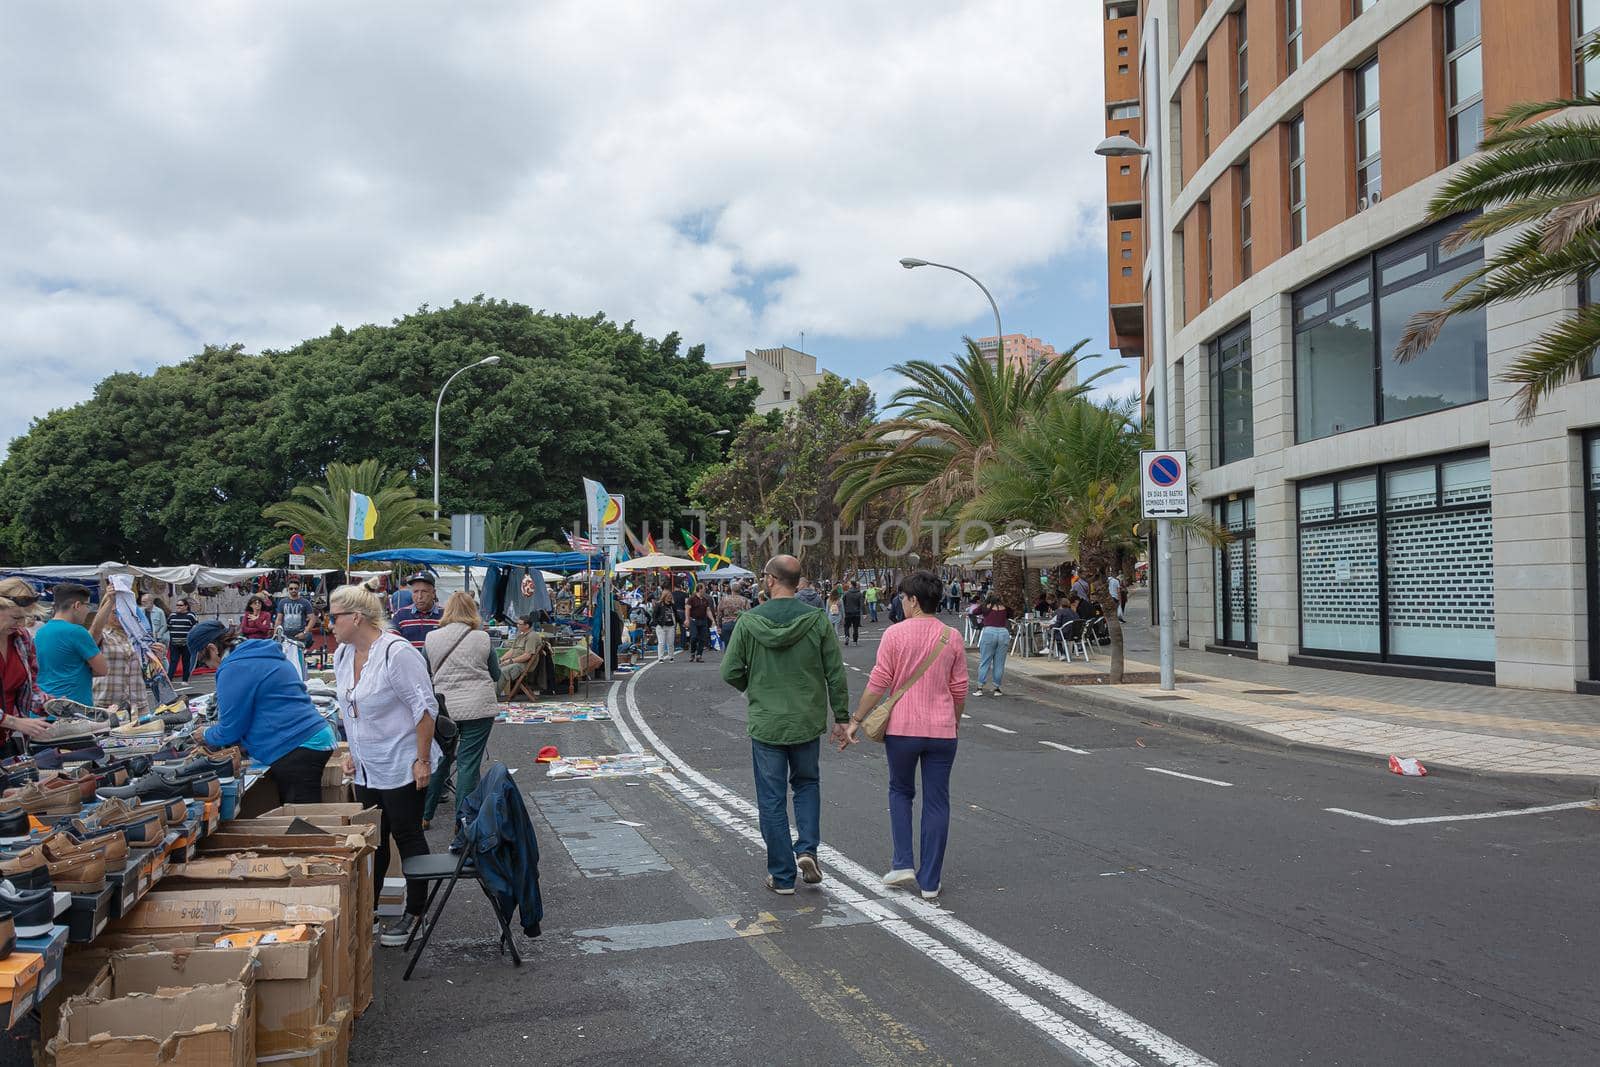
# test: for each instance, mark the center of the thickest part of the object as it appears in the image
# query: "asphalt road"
(1097, 907)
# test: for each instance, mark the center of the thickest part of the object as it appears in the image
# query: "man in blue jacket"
(263, 705)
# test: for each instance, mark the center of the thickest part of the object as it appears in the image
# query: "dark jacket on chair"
(495, 821)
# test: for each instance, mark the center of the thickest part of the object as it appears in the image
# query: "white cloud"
(225, 172)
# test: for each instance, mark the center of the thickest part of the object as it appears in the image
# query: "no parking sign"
(1164, 478)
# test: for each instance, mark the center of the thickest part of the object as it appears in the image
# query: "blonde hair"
(463, 609)
(357, 600)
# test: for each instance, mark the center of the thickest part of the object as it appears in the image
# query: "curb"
(1579, 785)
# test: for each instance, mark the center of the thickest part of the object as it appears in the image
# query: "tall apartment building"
(786, 374)
(1023, 352)
(1387, 517)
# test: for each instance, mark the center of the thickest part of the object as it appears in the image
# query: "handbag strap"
(432, 670)
(922, 668)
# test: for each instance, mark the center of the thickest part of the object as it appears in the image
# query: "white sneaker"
(977, 692)
(997, 692)
(931, 894)
(900, 876)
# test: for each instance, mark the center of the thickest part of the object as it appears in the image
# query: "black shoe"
(222, 768)
(33, 911)
(165, 785)
(14, 824)
(397, 932)
(8, 935)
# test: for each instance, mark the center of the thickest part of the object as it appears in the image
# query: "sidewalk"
(1469, 728)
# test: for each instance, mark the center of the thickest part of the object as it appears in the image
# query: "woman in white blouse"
(386, 702)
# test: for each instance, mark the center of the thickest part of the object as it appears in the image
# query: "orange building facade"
(1390, 517)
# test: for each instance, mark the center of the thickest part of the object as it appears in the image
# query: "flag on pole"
(697, 551)
(579, 544)
(719, 560)
(650, 543)
(363, 518)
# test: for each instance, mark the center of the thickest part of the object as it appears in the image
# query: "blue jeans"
(798, 764)
(993, 644)
(936, 755)
(872, 609)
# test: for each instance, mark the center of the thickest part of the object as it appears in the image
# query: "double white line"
(737, 815)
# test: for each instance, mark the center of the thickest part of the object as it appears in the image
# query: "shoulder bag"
(876, 723)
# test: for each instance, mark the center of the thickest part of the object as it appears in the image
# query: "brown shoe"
(8, 935)
(31, 858)
(81, 874)
(45, 798)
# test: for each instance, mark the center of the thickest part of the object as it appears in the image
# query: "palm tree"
(505, 533)
(1542, 178)
(321, 513)
(948, 425)
(1073, 467)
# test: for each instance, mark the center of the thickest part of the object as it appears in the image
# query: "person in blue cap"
(421, 617)
(263, 705)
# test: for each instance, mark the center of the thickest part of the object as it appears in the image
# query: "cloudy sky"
(181, 174)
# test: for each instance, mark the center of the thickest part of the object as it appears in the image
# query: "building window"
(1464, 77)
(1122, 68)
(1291, 35)
(1205, 227)
(1297, 181)
(1588, 296)
(1361, 7)
(1242, 62)
(1205, 109)
(1346, 326)
(1397, 563)
(1231, 403)
(1235, 599)
(1245, 264)
(1591, 523)
(1369, 143)
(1125, 111)
(1127, 272)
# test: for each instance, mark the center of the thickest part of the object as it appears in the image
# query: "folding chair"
(443, 868)
(519, 685)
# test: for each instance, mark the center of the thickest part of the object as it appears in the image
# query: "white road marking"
(1065, 748)
(1573, 806)
(997, 729)
(1191, 777)
(1101, 1013)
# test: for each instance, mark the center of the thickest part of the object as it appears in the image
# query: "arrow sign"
(1164, 484)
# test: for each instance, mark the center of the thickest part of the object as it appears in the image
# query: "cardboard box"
(206, 1026)
(19, 985)
(292, 999)
(160, 972)
(169, 910)
(329, 1047)
(52, 948)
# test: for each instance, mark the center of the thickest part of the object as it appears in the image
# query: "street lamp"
(911, 262)
(1118, 147)
(486, 361)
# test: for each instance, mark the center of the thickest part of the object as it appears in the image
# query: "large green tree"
(177, 465)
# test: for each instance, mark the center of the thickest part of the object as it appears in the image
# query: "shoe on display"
(153, 728)
(810, 869)
(14, 824)
(87, 754)
(32, 911)
(900, 878)
(112, 841)
(8, 935)
(46, 798)
(396, 932)
(65, 730)
(62, 708)
(84, 873)
(26, 868)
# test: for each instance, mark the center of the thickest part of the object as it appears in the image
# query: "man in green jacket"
(784, 657)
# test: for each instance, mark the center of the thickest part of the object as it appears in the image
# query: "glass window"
(1464, 77)
(1205, 109)
(1245, 250)
(1411, 488)
(1232, 403)
(1455, 368)
(1369, 142)
(1297, 181)
(1587, 23)
(1358, 496)
(1592, 529)
(1466, 481)
(1316, 502)
(1333, 375)
(1291, 34)
(1242, 61)
(1205, 225)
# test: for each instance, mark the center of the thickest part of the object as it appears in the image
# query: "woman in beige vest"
(465, 671)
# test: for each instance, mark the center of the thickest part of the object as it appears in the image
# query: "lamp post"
(438, 407)
(911, 263)
(1121, 146)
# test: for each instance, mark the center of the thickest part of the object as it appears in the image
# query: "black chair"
(446, 869)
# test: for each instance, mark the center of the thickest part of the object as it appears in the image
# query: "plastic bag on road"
(1407, 766)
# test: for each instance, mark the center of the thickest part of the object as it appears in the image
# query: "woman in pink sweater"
(922, 727)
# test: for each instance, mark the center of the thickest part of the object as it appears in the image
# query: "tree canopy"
(177, 465)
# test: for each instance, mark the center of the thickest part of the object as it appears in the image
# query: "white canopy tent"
(1035, 549)
(192, 574)
(658, 561)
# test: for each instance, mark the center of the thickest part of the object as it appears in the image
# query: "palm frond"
(1561, 354)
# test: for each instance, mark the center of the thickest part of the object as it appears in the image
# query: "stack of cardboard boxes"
(293, 890)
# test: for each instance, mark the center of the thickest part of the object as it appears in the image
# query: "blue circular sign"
(297, 544)
(1165, 471)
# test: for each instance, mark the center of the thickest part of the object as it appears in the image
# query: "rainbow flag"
(363, 518)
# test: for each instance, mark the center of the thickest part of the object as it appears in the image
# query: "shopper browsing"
(19, 666)
(465, 670)
(293, 612)
(69, 645)
(387, 707)
(417, 620)
(263, 706)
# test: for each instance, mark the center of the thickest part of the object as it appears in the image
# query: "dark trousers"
(179, 654)
(471, 740)
(401, 811)
(936, 755)
(298, 775)
(852, 627)
(699, 636)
